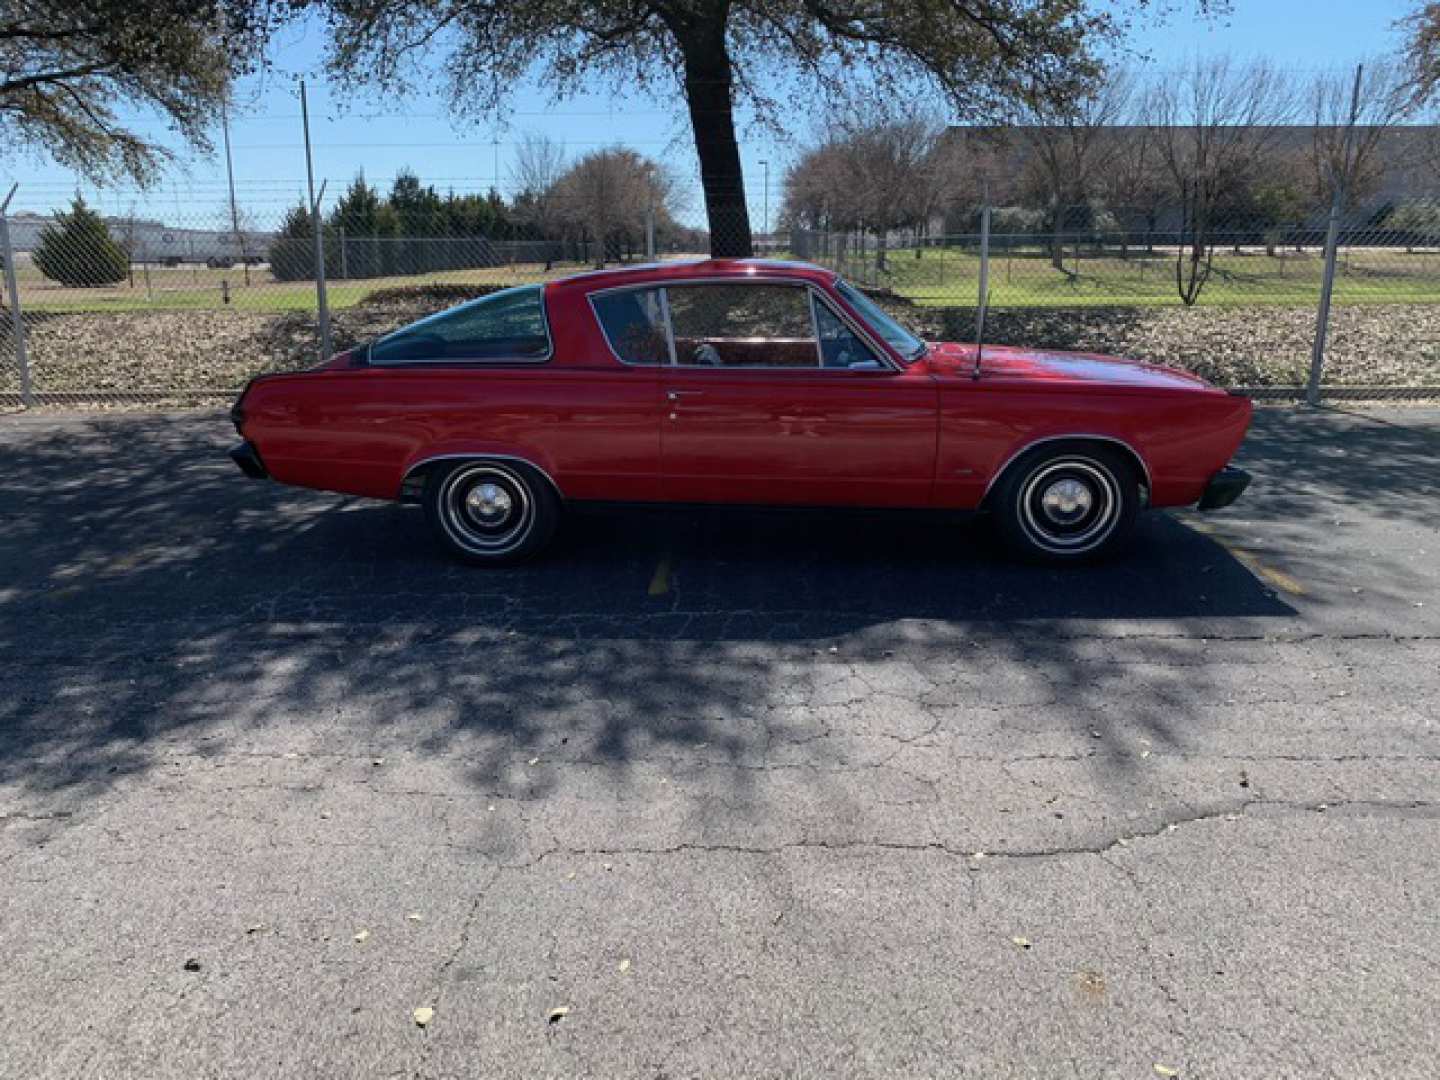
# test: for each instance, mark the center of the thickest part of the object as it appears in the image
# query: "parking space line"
(1275, 578)
(660, 581)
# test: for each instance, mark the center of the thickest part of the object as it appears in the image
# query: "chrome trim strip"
(669, 326)
(480, 456)
(663, 288)
(1144, 465)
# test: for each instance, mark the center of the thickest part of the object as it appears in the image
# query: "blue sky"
(383, 136)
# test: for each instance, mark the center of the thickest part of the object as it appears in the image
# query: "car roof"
(690, 269)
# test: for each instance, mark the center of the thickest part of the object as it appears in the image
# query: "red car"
(735, 381)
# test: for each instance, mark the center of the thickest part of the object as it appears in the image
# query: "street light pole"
(765, 221)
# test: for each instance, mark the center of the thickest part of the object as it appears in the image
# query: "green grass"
(949, 276)
(940, 277)
(198, 288)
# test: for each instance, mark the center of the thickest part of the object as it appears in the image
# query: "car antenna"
(984, 299)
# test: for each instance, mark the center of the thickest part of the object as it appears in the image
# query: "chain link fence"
(1237, 301)
(183, 309)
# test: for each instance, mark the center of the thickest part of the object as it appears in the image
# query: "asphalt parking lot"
(746, 794)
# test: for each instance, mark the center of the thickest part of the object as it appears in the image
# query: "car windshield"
(898, 337)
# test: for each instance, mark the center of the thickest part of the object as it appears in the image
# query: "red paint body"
(927, 435)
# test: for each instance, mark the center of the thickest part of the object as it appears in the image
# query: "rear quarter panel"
(590, 422)
(594, 430)
(1183, 436)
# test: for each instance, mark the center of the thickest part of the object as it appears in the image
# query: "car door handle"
(676, 395)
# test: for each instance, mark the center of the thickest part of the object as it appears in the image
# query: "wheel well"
(412, 485)
(1124, 449)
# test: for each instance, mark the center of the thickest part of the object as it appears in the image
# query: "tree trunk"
(708, 93)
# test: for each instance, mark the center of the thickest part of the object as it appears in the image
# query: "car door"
(773, 398)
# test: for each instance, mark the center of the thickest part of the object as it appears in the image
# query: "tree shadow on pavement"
(154, 603)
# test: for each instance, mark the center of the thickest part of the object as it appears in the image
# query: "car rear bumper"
(1224, 488)
(248, 458)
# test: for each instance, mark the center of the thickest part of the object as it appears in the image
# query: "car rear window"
(507, 325)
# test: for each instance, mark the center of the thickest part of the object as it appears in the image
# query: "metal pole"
(234, 211)
(12, 286)
(984, 299)
(321, 300)
(650, 233)
(765, 225)
(1332, 243)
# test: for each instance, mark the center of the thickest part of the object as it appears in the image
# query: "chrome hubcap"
(1066, 501)
(1069, 505)
(489, 504)
(486, 508)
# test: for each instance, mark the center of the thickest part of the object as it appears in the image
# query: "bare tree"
(1067, 148)
(539, 164)
(608, 195)
(1422, 51)
(874, 171)
(1214, 120)
(1354, 161)
(1134, 183)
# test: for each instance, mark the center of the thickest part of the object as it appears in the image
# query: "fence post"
(983, 300)
(12, 286)
(1327, 290)
(1332, 243)
(318, 224)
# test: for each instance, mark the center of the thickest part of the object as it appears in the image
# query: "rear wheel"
(1068, 503)
(490, 512)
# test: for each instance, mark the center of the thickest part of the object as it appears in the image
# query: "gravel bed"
(183, 352)
(1369, 345)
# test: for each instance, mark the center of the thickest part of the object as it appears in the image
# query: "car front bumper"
(1224, 488)
(248, 458)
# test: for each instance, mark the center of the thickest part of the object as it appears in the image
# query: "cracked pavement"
(841, 795)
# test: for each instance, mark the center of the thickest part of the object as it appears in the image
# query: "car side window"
(840, 347)
(744, 325)
(507, 325)
(634, 324)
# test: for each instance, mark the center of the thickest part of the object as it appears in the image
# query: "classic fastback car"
(735, 381)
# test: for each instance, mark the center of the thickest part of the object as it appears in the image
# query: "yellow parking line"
(660, 582)
(1276, 578)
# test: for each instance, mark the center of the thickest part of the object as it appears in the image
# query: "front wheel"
(490, 512)
(1068, 503)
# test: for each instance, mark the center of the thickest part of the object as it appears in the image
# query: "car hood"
(1054, 367)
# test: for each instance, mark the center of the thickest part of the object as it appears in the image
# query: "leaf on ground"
(555, 1015)
(423, 1016)
(363, 935)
